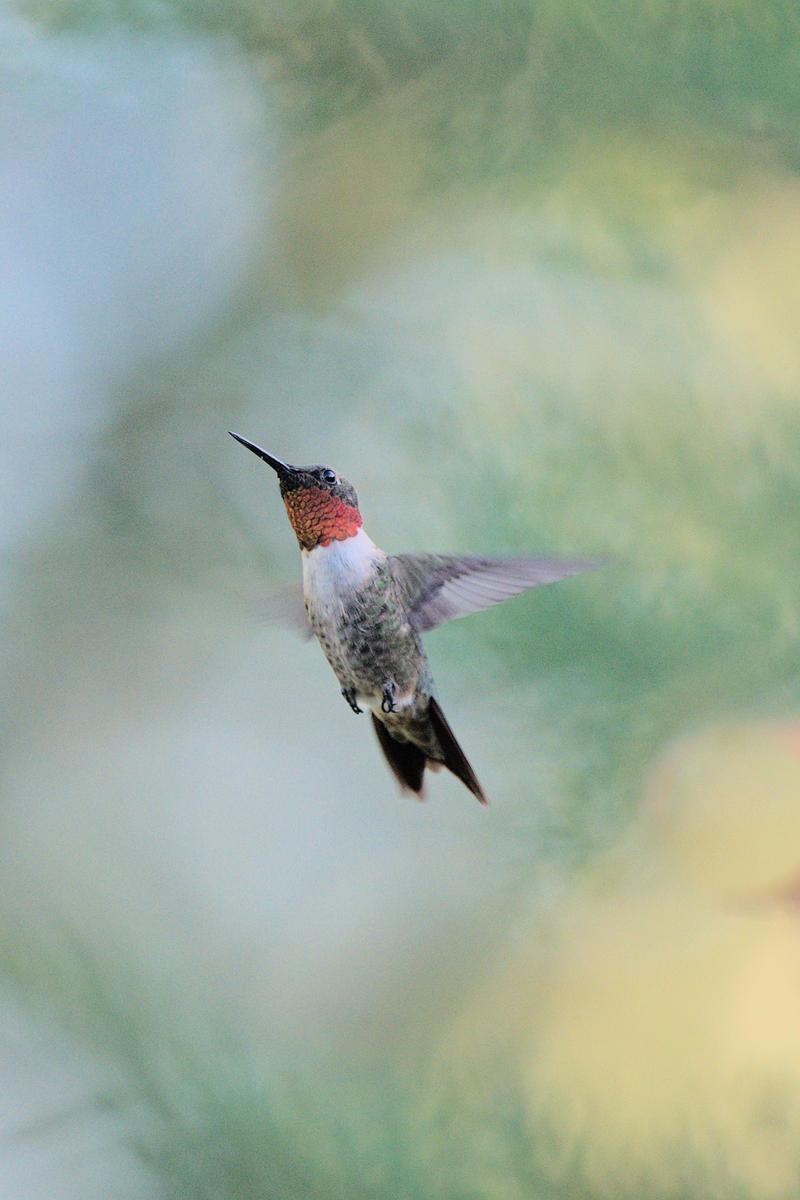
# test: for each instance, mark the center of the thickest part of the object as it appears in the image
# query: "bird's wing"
(439, 587)
(285, 606)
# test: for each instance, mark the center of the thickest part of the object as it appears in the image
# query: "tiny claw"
(350, 696)
(387, 703)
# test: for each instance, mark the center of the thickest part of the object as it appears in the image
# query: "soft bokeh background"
(528, 274)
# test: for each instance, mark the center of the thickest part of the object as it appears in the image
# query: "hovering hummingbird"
(368, 610)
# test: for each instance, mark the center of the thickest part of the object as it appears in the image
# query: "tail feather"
(454, 757)
(408, 761)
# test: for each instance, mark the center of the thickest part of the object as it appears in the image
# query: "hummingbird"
(369, 609)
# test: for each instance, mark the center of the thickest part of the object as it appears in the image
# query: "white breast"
(331, 572)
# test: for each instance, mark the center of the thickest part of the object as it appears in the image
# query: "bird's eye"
(328, 475)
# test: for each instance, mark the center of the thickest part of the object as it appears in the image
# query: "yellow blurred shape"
(726, 807)
(743, 254)
(653, 1018)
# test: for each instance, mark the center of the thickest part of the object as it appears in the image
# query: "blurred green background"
(528, 273)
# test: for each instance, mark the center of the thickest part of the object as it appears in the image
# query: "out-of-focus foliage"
(527, 273)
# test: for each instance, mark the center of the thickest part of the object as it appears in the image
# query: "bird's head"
(322, 506)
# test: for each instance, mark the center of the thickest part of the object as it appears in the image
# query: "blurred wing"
(285, 606)
(440, 587)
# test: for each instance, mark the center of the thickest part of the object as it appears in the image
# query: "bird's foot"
(350, 696)
(387, 703)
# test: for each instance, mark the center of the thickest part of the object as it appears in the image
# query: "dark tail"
(454, 757)
(408, 762)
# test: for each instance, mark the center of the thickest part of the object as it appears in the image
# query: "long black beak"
(281, 467)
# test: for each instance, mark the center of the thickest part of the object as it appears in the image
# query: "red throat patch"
(319, 518)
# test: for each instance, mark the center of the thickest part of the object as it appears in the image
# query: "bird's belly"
(363, 630)
(365, 658)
